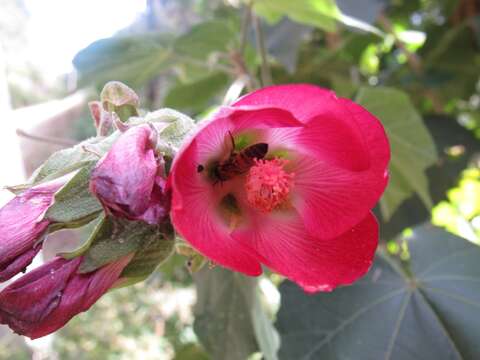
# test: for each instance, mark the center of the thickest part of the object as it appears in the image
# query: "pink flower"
(46, 298)
(22, 226)
(130, 180)
(297, 199)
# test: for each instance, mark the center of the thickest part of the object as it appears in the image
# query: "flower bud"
(46, 298)
(22, 226)
(130, 180)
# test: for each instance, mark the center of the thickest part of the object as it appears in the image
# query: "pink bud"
(45, 299)
(22, 226)
(129, 181)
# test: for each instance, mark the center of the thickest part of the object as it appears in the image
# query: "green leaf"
(195, 96)
(444, 175)
(74, 205)
(229, 318)
(430, 314)
(114, 238)
(413, 149)
(132, 59)
(318, 13)
(205, 38)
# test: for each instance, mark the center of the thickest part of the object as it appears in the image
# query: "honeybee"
(237, 163)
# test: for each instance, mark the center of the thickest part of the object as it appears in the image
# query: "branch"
(412, 59)
(260, 40)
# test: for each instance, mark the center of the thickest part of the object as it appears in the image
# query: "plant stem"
(237, 56)
(247, 20)
(412, 59)
(265, 69)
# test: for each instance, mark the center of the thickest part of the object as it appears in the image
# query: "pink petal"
(27, 301)
(22, 226)
(315, 264)
(304, 101)
(337, 130)
(18, 264)
(195, 217)
(124, 179)
(342, 155)
(81, 292)
(332, 199)
(45, 299)
(211, 136)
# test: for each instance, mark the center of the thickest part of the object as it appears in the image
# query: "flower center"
(268, 184)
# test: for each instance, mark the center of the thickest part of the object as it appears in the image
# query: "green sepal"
(149, 256)
(68, 160)
(119, 98)
(73, 204)
(114, 238)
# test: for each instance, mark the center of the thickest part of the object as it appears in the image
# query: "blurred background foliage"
(413, 63)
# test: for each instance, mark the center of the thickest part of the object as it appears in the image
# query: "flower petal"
(81, 292)
(18, 264)
(22, 226)
(337, 131)
(195, 217)
(45, 299)
(211, 135)
(304, 101)
(332, 199)
(27, 301)
(315, 264)
(125, 178)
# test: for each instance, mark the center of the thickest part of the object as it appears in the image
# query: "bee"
(238, 162)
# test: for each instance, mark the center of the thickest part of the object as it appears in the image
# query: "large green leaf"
(413, 149)
(133, 59)
(319, 13)
(430, 314)
(229, 318)
(445, 174)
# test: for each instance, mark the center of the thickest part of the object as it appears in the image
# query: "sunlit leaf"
(413, 149)
(132, 59)
(318, 13)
